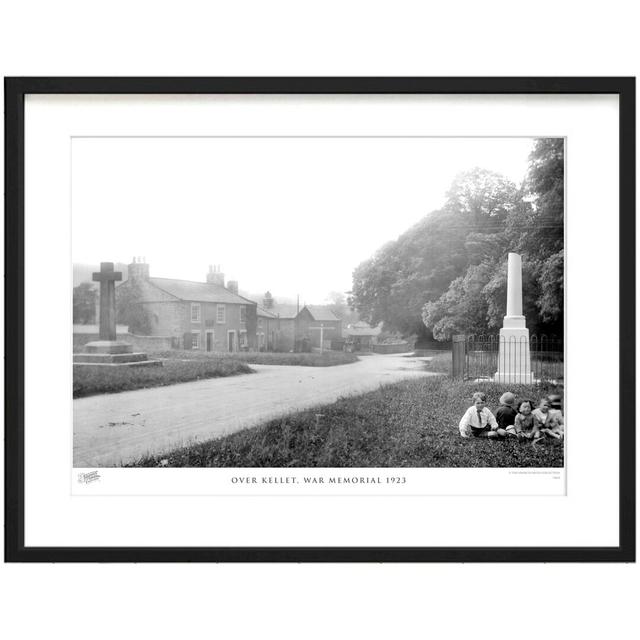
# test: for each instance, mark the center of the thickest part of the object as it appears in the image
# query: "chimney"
(138, 269)
(232, 285)
(215, 276)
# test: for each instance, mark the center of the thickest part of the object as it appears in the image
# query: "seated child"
(526, 424)
(547, 422)
(555, 421)
(478, 421)
(506, 415)
(542, 413)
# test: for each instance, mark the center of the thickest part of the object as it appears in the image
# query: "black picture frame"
(15, 91)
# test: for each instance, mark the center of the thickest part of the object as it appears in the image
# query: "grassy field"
(88, 381)
(326, 359)
(440, 362)
(408, 424)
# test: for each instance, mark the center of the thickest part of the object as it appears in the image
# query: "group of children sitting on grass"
(522, 422)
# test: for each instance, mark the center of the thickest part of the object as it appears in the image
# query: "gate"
(459, 352)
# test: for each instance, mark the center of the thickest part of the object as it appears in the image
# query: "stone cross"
(107, 278)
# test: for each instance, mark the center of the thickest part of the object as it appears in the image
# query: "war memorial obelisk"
(108, 351)
(514, 358)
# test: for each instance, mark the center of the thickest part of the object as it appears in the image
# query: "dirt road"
(113, 429)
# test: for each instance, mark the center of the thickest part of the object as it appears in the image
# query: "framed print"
(320, 319)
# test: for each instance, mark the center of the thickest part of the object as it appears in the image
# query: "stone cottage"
(206, 316)
(268, 331)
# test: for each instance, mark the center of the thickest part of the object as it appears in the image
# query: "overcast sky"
(291, 215)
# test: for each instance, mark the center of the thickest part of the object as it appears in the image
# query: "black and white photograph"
(318, 301)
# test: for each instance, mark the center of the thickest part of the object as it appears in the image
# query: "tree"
(550, 302)
(482, 198)
(131, 312)
(462, 308)
(337, 302)
(419, 266)
(85, 298)
(532, 226)
(448, 272)
(540, 225)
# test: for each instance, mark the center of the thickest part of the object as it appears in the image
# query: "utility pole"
(321, 328)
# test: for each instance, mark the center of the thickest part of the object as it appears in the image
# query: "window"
(195, 339)
(243, 314)
(195, 312)
(244, 340)
(221, 313)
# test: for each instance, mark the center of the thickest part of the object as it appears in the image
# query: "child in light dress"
(478, 421)
(526, 423)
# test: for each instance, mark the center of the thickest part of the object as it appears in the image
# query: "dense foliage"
(447, 274)
(85, 298)
(130, 312)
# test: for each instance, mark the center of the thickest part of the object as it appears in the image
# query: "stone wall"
(273, 339)
(209, 323)
(169, 318)
(401, 347)
(150, 344)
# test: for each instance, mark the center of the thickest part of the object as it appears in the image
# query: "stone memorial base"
(513, 377)
(514, 357)
(112, 353)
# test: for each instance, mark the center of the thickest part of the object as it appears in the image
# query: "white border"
(587, 516)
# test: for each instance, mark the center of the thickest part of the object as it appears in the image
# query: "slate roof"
(362, 329)
(286, 311)
(265, 313)
(322, 314)
(198, 291)
(290, 311)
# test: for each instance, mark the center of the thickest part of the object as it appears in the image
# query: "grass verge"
(326, 359)
(440, 363)
(89, 381)
(408, 424)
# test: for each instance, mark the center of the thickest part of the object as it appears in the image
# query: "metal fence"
(482, 357)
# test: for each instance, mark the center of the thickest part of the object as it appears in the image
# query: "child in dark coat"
(506, 415)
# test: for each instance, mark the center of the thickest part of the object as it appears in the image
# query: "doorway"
(231, 339)
(209, 343)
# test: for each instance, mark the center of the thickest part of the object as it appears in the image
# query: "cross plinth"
(107, 278)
